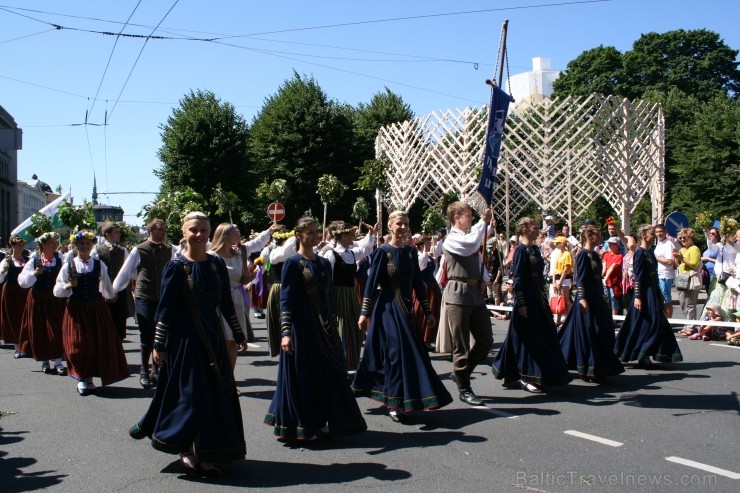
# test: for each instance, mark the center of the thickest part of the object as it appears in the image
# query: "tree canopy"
(204, 148)
(299, 135)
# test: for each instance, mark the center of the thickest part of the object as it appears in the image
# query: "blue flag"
(497, 110)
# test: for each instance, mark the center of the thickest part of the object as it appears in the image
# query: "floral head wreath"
(82, 235)
(340, 232)
(16, 239)
(50, 235)
(283, 236)
(259, 261)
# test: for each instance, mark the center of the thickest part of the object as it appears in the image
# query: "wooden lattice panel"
(560, 154)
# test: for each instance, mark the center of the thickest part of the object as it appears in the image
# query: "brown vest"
(463, 276)
(152, 259)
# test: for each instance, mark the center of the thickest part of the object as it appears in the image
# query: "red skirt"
(434, 296)
(12, 303)
(91, 344)
(42, 326)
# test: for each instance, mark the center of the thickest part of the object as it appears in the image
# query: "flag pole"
(489, 82)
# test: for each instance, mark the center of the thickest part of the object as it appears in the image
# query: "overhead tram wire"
(110, 57)
(26, 36)
(139, 56)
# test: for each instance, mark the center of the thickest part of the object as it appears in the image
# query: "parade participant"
(427, 267)
(343, 258)
(312, 394)
(646, 332)
(113, 256)
(91, 344)
(13, 297)
(530, 353)
(587, 338)
(226, 245)
(461, 273)
(145, 265)
(285, 247)
(395, 369)
(195, 410)
(42, 318)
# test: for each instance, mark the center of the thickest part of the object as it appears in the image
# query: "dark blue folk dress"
(531, 351)
(587, 338)
(647, 332)
(195, 404)
(312, 389)
(395, 369)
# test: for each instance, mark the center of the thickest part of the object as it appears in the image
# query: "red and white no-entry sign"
(276, 211)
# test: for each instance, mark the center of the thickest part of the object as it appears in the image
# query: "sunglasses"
(681, 238)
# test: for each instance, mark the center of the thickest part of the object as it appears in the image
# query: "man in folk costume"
(145, 265)
(113, 256)
(465, 281)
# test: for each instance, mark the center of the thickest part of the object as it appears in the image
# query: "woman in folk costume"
(195, 410)
(531, 352)
(284, 248)
(257, 287)
(434, 295)
(587, 337)
(42, 318)
(91, 342)
(13, 297)
(395, 368)
(646, 331)
(313, 395)
(343, 258)
(225, 244)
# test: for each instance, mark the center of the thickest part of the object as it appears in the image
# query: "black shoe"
(468, 397)
(531, 388)
(47, 370)
(398, 416)
(144, 380)
(61, 371)
(19, 355)
(153, 379)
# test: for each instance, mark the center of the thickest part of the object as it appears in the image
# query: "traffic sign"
(276, 211)
(675, 222)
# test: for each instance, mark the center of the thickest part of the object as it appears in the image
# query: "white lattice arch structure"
(560, 154)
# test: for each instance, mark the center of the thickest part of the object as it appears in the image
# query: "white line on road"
(704, 467)
(503, 414)
(724, 345)
(593, 438)
(249, 344)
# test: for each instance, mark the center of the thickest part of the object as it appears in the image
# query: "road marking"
(249, 344)
(725, 345)
(704, 467)
(593, 438)
(503, 414)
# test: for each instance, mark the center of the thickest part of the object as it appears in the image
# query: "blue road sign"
(675, 222)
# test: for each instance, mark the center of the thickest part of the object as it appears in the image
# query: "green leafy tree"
(330, 189)
(598, 70)
(78, 217)
(360, 210)
(385, 107)
(707, 161)
(40, 224)
(696, 62)
(433, 219)
(298, 136)
(172, 207)
(204, 148)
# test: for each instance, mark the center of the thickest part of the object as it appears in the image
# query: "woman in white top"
(727, 249)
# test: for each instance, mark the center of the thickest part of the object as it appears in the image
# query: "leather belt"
(469, 282)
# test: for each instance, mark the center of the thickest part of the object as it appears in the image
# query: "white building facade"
(534, 85)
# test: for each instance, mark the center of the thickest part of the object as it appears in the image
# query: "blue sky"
(435, 54)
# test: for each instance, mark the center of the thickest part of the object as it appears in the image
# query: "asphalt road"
(672, 429)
